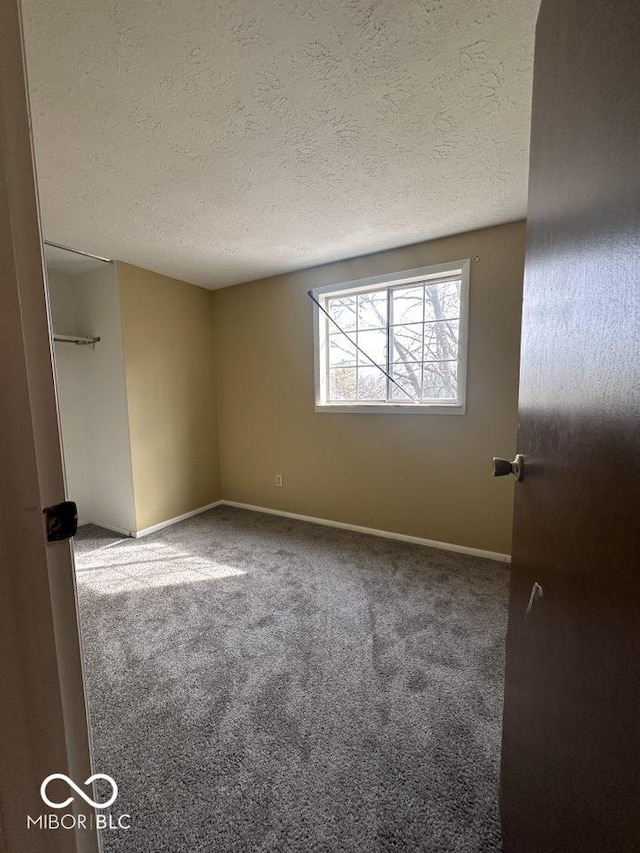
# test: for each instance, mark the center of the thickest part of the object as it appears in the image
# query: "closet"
(92, 403)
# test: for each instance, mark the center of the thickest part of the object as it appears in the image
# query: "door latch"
(61, 520)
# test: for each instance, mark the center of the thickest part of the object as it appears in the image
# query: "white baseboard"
(108, 526)
(137, 534)
(385, 534)
(327, 522)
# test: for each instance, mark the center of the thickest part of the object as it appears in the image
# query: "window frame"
(435, 272)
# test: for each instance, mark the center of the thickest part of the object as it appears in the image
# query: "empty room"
(320, 400)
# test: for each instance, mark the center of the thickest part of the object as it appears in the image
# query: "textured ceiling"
(225, 141)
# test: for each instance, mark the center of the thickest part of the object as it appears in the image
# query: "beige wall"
(169, 372)
(422, 475)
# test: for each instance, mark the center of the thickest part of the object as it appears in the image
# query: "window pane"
(440, 380)
(407, 304)
(441, 341)
(372, 384)
(409, 378)
(341, 351)
(411, 328)
(406, 343)
(372, 310)
(342, 383)
(442, 301)
(374, 345)
(342, 309)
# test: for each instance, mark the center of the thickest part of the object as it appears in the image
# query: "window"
(393, 343)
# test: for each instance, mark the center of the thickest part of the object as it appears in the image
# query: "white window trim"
(435, 271)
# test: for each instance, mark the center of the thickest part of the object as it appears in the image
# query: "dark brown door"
(571, 747)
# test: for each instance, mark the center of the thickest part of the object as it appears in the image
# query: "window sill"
(391, 409)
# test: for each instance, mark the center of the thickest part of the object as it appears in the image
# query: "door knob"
(502, 467)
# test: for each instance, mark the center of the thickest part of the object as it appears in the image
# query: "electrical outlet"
(279, 480)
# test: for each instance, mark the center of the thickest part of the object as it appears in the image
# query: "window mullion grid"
(327, 373)
(424, 317)
(389, 355)
(389, 330)
(357, 340)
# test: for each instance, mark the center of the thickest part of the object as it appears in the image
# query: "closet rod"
(77, 252)
(81, 340)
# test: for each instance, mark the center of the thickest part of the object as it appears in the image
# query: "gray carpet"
(261, 684)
